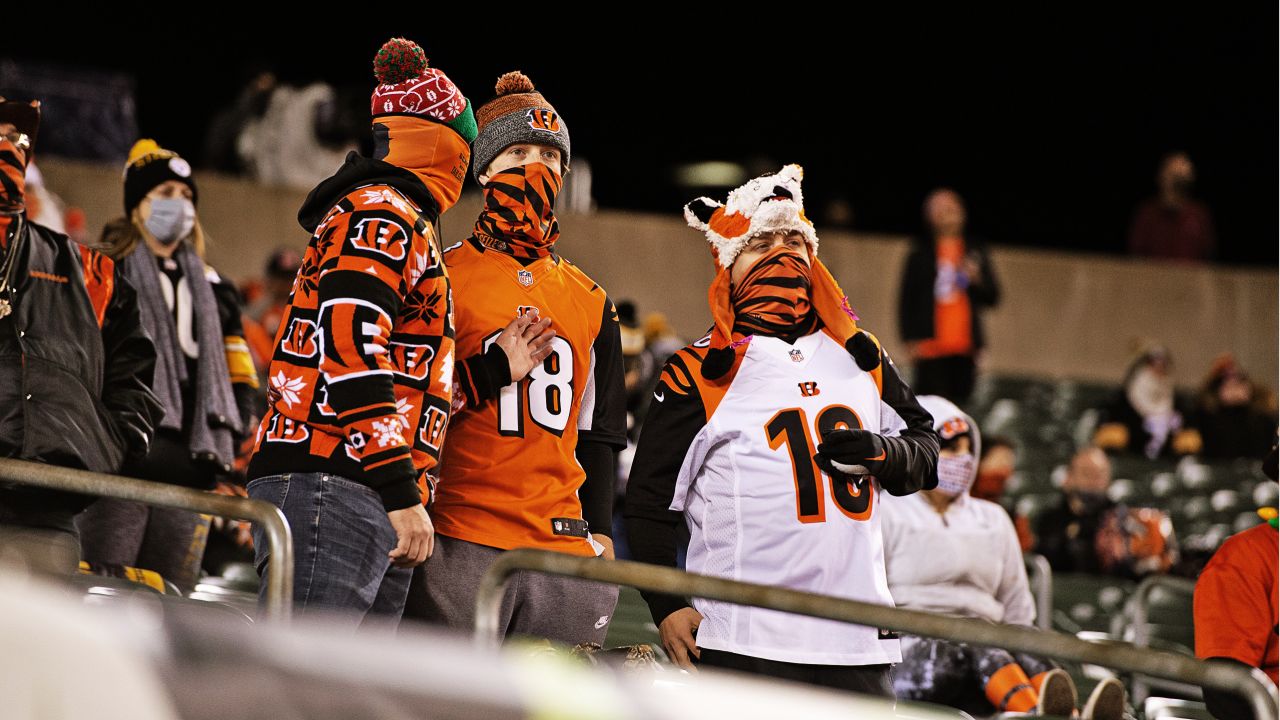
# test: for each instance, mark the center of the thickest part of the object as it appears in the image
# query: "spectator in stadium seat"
(727, 449)
(1088, 533)
(1146, 416)
(204, 378)
(1235, 418)
(75, 363)
(1065, 534)
(947, 281)
(1237, 609)
(1174, 225)
(987, 580)
(995, 467)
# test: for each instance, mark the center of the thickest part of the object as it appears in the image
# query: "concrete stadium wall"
(1063, 316)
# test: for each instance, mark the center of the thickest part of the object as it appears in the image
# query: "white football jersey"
(759, 510)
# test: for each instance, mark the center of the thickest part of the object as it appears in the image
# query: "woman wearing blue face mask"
(204, 376)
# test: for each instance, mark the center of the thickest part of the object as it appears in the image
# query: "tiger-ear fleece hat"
(518, 114)
(767, 204)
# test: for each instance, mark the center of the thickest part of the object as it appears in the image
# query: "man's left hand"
(607, 542)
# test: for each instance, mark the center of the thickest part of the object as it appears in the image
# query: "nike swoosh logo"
(879, 457)
(659, 396)
(604, 620)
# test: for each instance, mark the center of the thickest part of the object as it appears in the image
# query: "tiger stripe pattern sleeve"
(674, 420)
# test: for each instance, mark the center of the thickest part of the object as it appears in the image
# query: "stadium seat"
(1168, 627)
(1087, 602)
(1266, 494)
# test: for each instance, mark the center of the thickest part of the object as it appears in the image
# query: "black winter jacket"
(75, 366)
(916, 302)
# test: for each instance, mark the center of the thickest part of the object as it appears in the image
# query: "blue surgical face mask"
(171, 219)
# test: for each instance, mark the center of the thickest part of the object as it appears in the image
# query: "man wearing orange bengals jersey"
(362, 377)
(729, 447)
(528, 464)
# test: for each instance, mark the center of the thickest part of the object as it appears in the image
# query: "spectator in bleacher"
(1146, 416)
(75, 363)
(1235, 418)
(734, 419)
(1088, 533)
(204, 376)
(1065, 534)
(1173, 224)
(1237, 609)
(987, 581)
(947, 281)
(995, 467)
(358, 425)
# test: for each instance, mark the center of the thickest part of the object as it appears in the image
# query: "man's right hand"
(527, 342)
(676, 632)
(415, 536)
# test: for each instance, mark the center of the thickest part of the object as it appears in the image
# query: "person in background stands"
(76, 364)
(947, 281)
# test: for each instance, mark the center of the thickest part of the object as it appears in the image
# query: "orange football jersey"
(509, 476)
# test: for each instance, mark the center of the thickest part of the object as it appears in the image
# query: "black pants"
(865, 679)
(951, 376)
(955, 674)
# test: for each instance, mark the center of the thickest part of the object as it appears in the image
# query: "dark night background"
(1050, 125)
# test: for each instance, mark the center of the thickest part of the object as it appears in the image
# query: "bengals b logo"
(380, 235)
(809, 389)
(544, 120)
(300, 340)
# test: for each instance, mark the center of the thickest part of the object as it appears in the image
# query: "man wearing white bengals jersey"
(729, 444)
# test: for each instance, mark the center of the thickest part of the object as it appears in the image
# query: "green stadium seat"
(1087, 602)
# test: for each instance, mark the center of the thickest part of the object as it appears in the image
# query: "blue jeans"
(341, 537)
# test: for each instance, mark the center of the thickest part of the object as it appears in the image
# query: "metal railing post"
(1042, 581)
(279, 596)
(1252, 685)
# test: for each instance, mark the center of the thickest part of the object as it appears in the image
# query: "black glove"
(851, 452)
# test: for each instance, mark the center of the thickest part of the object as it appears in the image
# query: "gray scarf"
(216, 415)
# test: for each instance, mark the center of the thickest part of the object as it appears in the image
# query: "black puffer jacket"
(75, 367)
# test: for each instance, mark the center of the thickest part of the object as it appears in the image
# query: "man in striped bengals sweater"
(361, 381)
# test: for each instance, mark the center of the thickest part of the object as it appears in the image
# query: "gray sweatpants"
(561, 609)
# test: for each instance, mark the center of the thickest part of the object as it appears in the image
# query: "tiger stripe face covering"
(13, 185)
(772, 299)
(519, 211)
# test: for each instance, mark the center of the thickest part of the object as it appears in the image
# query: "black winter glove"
(851, 452)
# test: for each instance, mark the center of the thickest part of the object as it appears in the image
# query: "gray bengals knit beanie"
(519, 114)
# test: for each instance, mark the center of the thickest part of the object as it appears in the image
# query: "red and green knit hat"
(406, 86)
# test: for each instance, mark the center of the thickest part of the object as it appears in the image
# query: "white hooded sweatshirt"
(966, 562)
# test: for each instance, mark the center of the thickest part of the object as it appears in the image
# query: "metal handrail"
(1253, 686)
(278, 603)
(1042, 581)
(1139, 606)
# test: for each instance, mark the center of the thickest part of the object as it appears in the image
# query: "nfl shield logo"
(525, 277)
(796, 355)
